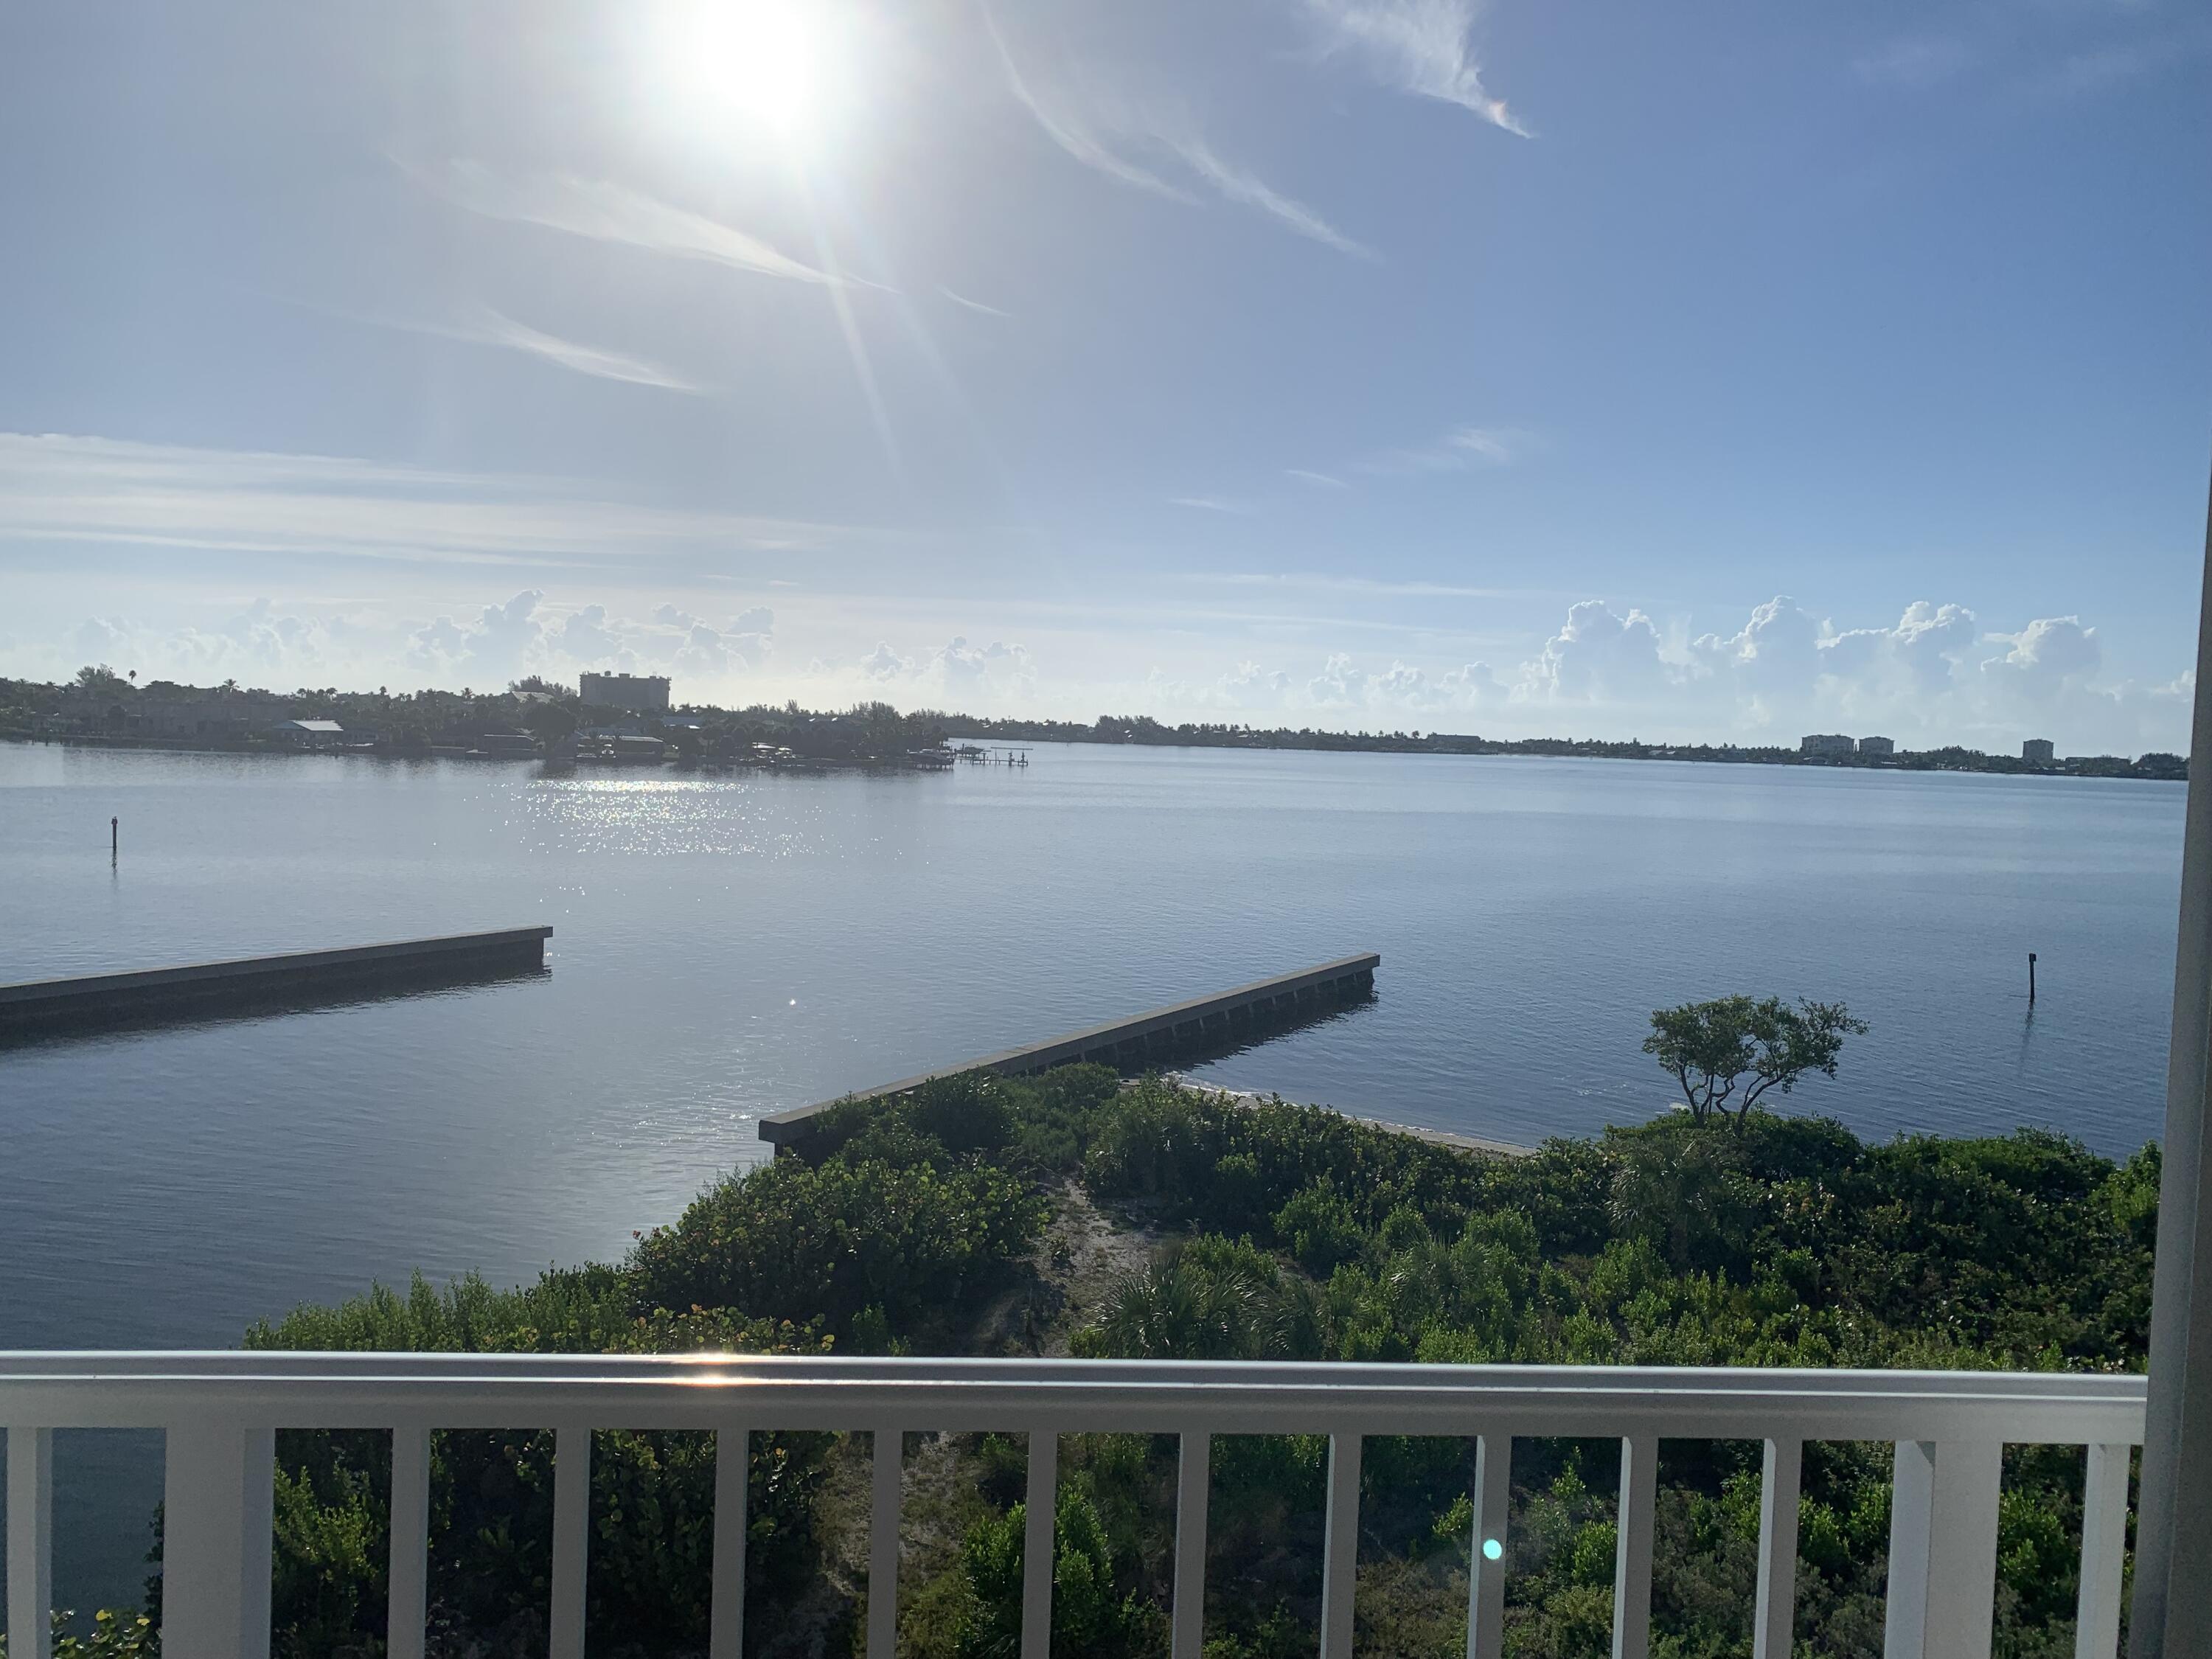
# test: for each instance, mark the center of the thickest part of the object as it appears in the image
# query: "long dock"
(1130, 1044)
(36, 1006)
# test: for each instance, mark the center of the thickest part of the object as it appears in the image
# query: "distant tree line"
(550, 708)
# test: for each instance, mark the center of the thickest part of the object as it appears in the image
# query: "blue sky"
(1702, 371)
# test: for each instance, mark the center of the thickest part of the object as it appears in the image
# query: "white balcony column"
(1486, 1559)
(2173, 1531)
(1193, 1486)
(1943, 1550)
(726, 1615)
(2103, 1553)
(883, 1544)
(1040, 1509)
(30, 1538)
(409, 1597)
(1340, 1550)
(1632, 1554)
(1774, 1625)
(218, 1501)
(572, 1541)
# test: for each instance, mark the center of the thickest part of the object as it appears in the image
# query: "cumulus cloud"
(1249, 682)
(2050, 656)
(100, 640)
(1339, 681)
(996, 667)
(504, 641)
(1472, 684)
(1920, 654)
(884, 664)
(1598, 656)
(585, 636)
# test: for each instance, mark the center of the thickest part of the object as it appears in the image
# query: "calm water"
(726, 947)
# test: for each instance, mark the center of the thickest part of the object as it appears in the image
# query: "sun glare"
(759, 63)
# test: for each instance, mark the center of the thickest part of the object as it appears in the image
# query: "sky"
(1700, 372)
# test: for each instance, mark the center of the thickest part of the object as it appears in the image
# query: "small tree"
(1729, 1053)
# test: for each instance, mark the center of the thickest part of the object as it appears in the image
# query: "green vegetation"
(974, 1217)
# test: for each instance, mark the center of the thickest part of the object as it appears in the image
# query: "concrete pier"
(35, 1007)
(1133, 1044)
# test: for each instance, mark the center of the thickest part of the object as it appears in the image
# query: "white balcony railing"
(221, 1412)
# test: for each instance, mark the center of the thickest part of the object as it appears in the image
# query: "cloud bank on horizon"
(1331, 362)
(1936, 676)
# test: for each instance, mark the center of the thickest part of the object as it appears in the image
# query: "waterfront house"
(305, 735)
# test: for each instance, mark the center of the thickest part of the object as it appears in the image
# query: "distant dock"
(37, 1007)
(1130, 1044)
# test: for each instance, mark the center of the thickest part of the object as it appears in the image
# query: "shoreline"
(1249, 1098)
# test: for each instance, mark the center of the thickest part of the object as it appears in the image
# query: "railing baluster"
(1194, 1485)
(725, 1617)
(30, 1538)
(409, 1601)
(1774, 1626)
(2103, 1553)
(1486, 1559)
(884, 1545)
(1041, 1505)
(572, 1537)
(1943, 1550)
(218, 1501)
(1632, 1555)
(1340, 1550)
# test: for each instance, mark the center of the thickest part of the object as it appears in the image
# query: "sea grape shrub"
(1093, 1614)
(1040, 1125)
(967, 1114)
(1319, 1227)
(491, 1492)
(113, 1636)
(1229, 1167)
(792, 1241)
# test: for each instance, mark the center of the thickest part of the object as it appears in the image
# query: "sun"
(762, 64)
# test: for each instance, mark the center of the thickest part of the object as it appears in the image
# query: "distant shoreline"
(2095, 766)
(1146, 734)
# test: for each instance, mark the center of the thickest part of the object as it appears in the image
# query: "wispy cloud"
(606, 365)
(1100, 130)
(485, 326)
(1238, 186)
(1212, 504)
(1915, 62)
(1320, 582)
(608, 212)
(972, 304)
(72, 489)
(1066, 125)
(1319, 480)
(2099, 69)
(1419, 47)
(1455, 451)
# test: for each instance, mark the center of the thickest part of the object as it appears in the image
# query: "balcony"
(220, 1413)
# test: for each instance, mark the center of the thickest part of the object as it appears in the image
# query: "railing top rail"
(100, 1389)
